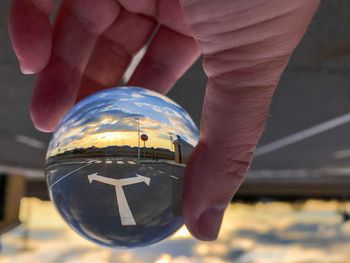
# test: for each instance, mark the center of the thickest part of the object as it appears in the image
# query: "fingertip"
(28, 70)
(209, 186)
(203, 219)
(33, 55)
(209, 223)
(41, 124)
(54, 94)
(31, 36)
(44, 111)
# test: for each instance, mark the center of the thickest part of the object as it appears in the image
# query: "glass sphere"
(115, 166)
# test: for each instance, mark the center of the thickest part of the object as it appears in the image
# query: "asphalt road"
(118, 201)
(118, 167)
(312, 94)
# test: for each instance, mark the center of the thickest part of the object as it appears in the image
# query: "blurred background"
(293, 206)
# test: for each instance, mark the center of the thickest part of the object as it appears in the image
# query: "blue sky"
(115, 110)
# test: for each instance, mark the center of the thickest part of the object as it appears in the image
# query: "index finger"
(30, 33)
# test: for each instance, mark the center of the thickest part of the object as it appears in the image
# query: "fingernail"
(24, 69)
(209, 222)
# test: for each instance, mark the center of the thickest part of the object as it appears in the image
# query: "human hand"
(245, 45)
(90, 46)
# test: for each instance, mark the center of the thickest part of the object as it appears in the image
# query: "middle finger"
(77, 27)
(114, 50)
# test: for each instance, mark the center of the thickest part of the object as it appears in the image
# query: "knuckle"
(231, 166)
(258, 73)
(159, 68)
(94, 16)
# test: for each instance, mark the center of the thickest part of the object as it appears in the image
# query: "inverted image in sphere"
(115, 166)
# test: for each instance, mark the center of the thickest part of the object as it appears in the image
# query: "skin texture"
(245, 46)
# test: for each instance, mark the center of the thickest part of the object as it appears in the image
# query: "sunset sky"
(108, 118)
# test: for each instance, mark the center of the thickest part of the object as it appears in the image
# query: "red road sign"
(144, 137)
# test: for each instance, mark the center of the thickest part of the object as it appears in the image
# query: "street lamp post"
(138, 137)
(171, 140)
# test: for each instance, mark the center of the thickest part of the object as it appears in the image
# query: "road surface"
(118, 201)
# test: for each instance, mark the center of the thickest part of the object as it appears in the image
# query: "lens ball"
(115, 166)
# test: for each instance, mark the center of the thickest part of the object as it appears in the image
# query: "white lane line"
(29, 141)
(53, 165)
(120, 162)
(109, 162)
(150, 167)
(131, 162)
(50, 166)
(69, 174)
(98, 161)
(302, 135)
(172, 176)
(160, 171)
(341, 154)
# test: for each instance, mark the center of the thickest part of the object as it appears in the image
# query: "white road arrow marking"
(124, 210)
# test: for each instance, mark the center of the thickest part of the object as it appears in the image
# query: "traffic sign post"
(144, 138)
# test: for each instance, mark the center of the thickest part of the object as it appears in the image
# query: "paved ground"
(135, 203)
(314, 90)
(121, 166)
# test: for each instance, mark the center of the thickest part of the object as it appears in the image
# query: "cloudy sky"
(108, 118)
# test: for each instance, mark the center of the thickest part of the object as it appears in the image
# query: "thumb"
(244, 65)
(232, 123)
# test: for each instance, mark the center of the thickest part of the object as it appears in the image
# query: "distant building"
(183, 150)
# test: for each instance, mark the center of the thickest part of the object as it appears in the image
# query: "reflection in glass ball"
(115, 166)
